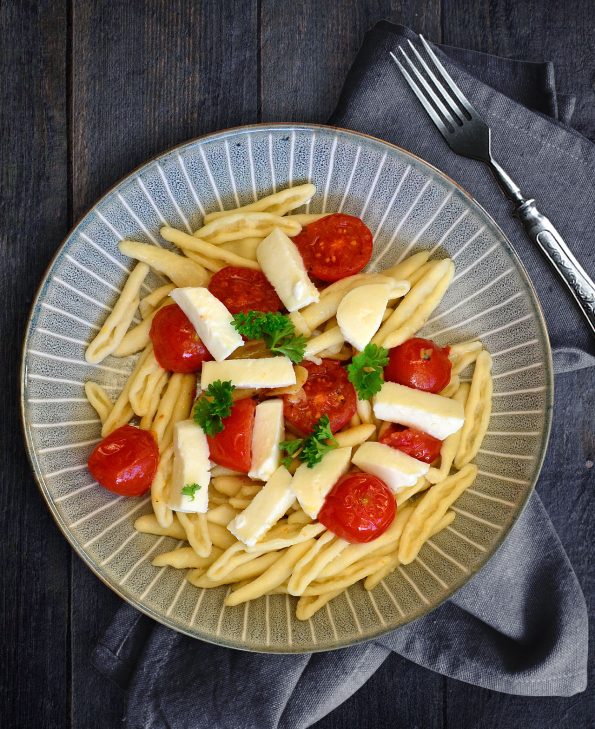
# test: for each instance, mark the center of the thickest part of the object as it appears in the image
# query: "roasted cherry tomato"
(359, 508)
(335, 247)
(413, 442)
(242, 289)
(176, 345)
(232, 446)
(419, 363)
(125, 461)
(327, 391)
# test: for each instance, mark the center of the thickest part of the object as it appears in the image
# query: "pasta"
(296, 555)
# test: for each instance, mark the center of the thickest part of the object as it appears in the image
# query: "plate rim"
(32, 458)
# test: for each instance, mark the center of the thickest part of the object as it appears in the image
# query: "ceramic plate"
(408, 205)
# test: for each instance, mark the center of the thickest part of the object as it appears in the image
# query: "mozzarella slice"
(282, 264)
(211, 319)
(269, 431)
(360, 313)
(265, 372)
(396, 469)
(265, 509)
(311, 485)
(191, 466)
(434, 414)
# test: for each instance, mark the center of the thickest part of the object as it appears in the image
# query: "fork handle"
(542, 231)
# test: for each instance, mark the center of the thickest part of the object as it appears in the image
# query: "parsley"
(214, 405)
(276, 329)
(310, 450)
(365, 370)
(190, 489)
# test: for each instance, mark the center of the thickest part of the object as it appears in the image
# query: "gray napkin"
(520, 625)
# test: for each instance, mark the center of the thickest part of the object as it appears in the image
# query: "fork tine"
(447, 112)
(420, 95)
(446, 76)
(452, 106)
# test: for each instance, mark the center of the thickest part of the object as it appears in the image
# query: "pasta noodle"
(191, 243)
(146, 379)
(159, 487)
(185, 558)
(99, 400)
(246, 247)
(430, 509)
(236, 226)
(209, 263)
(279, 203)
(450, 445)
(151, 302)
(148, 524)
(197, 532)
(114, 327)
(478, 409)
(177, 268)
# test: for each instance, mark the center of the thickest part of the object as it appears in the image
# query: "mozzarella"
(269, 431)
(311, 485)
(191, 465)
(434, 414)
(360, 313)
(244, 373)
(396, 469)
(211, 319)
(265, 509)
(282, 264)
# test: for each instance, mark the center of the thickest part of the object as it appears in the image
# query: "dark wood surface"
(88, 91)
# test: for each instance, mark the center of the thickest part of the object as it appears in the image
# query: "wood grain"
(34, 587)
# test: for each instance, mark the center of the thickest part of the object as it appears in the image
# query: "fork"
(468, 134)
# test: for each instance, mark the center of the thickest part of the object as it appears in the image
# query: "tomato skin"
(232, 447)
(413, 442)
(359, 508)
(419, 363)
(334, 247)
(125, 461)
(176, 345)
(327, 391)
(242, 289)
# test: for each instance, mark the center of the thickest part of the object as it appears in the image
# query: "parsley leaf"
(276, 329)
(214, 405)
(190, 489)
(310, 450)
(365, 370)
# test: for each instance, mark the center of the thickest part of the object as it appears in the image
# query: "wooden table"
(89, 91)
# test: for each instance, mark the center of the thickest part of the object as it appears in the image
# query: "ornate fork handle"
(542, 231)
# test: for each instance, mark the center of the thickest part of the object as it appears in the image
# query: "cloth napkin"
(520, 625)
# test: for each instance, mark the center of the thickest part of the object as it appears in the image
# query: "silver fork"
(467, 134)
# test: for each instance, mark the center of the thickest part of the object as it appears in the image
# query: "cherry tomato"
(327, 391)
(335, 247)
(232, 446)
(359, 508)
(413, 442)
(242, 289)
(125, 461)
(176, 344)
(419, 363)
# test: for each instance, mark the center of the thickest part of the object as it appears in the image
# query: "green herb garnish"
(365, 370)
(310, 450)
(190, 489)
(275, 329)
(214, 405)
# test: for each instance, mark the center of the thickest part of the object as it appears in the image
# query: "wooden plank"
(564, 34)
(308, 47)
(144, 78)
(35, 558)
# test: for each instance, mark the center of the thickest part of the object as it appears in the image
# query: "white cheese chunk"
(211, 319)
(191, 466)
(396, 469)
(265, 509)
(434, 414)
(265, 372)
(282, 264)
(360, 313)
(311, 485)
(269, 431)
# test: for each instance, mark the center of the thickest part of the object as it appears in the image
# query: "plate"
(408, 205)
